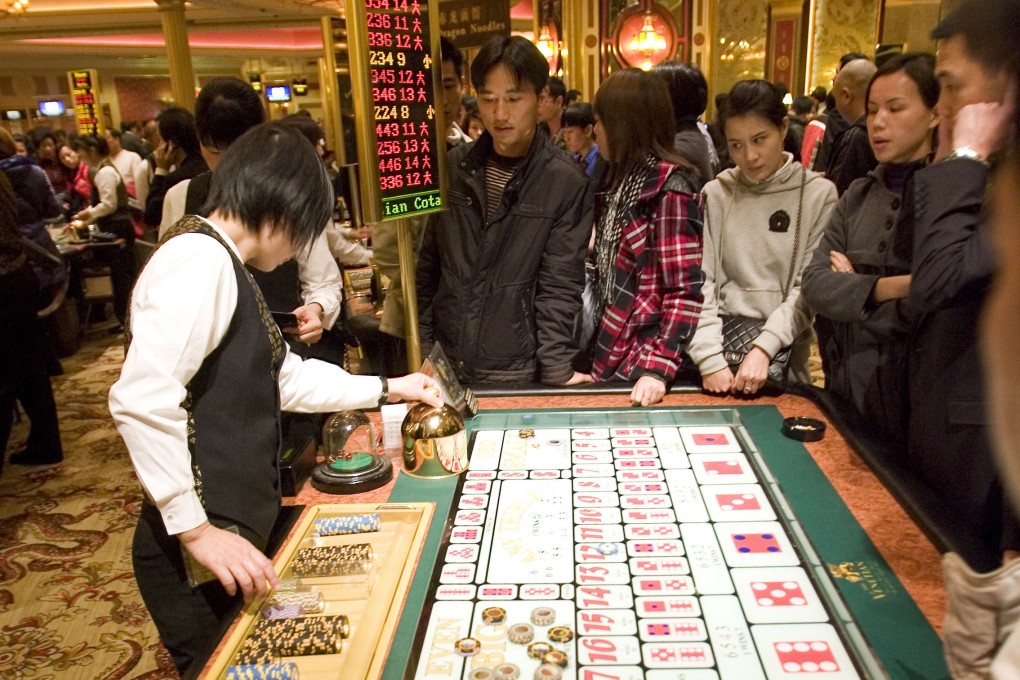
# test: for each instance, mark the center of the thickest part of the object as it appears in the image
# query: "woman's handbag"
(740, 332)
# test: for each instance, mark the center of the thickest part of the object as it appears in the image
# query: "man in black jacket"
(953, 265)
(500, 273)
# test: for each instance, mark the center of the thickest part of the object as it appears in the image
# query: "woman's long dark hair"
(637, 116)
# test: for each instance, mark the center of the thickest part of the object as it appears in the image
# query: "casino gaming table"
(884, 568)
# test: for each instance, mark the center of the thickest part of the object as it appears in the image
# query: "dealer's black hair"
(225, 109)
(272, 175)
(516, 54)
(757, 97)
(177, 126)
(557, 89)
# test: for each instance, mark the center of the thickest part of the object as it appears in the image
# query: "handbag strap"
(796, 235)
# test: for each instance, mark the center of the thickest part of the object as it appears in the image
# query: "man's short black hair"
(571, 97)
(114, 132)
(577, 115)
(126, 125)
(304, 124)
(557, 89)
(225, 109)
(516, 54)
(802, 104)
(989, 29)
(94, 143)
(451, 53)
(177, 126)
(688, 89)
(851, 56)
(272, 176)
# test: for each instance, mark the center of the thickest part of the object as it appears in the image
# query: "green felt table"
(880, 607)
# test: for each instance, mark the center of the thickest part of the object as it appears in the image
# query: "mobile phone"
(285, 319)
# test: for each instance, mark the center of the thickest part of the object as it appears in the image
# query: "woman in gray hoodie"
(763, 220)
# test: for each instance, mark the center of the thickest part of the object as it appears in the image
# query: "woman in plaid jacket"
(648, 242)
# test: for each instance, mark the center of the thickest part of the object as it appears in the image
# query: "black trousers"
(122, 266)
(190, 620)
(23, 372)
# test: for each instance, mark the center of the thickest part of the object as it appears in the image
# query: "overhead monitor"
(53, 107)
(278, 93)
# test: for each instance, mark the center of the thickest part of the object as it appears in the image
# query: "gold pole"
(405, 248)
(330, 95)
(178, 52)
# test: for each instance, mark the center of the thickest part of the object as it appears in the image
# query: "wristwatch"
(385, 391)
(968, 153)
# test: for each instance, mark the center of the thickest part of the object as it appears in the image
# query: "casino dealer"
(204, 379)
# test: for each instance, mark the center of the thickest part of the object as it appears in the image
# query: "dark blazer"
(952, 269)
(501, 296)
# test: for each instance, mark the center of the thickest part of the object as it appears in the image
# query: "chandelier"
(545, 44)
(648, 41)
(13, 7)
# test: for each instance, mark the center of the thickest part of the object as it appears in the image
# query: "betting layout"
(629, 552)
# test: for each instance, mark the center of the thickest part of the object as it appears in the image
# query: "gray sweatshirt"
(746, 264)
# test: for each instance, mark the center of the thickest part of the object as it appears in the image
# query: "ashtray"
(804, 429)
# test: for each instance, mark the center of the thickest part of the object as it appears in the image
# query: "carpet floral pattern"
(69, 605)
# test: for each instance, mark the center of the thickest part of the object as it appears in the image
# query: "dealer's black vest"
(233, 407)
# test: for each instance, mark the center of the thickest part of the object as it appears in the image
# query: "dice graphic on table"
(778, 593)
(737, 501)
(806, 656)
(723, 467)
(715, 439)
(756, 543)
(665, 654)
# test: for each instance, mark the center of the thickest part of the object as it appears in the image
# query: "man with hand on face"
(500, 273)
(178, 158)
(953, 265)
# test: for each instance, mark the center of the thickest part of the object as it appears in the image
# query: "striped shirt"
(498, 171)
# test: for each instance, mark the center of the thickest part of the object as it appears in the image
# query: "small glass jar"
(353, 463)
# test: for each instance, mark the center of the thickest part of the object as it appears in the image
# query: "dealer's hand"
(720, 382)
(235, 561)
(647, 390)
(414, 387)
(309, 330)
(754, 371)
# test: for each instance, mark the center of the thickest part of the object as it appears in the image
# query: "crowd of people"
(618, 240)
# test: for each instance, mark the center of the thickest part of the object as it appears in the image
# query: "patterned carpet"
(68, 600)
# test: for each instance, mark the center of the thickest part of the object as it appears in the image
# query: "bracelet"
(384, 397)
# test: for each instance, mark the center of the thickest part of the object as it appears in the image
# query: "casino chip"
(521, 633)
(526, 433)
(507, 671)
(536, 650)
(265, 671)
(560, 634)
(608, 548)
(467, 646)
(543, 616)
(481, 674)
(548, 671)
(555, 658)
(493, 615)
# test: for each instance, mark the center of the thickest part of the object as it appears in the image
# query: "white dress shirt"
(317, 270)
(181, 307)
(106, 181)
(134, 170)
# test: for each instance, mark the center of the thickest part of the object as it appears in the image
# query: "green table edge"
(896, 629)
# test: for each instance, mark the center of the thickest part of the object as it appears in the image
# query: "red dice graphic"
(778, 593)
(712, 439)
(806, 656)
(756, 543)
(737, 501)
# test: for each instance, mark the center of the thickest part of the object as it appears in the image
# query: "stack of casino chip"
(347, 524)
(290, 604)
(265, 671)
(333, 560)
(302, 636)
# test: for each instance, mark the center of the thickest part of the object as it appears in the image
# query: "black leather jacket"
(501, 297)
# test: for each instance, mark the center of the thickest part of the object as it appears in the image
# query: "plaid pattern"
(657, 296)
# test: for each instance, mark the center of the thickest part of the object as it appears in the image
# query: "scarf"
(618, 202)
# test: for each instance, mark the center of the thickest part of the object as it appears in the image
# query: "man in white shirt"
(205, 376)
